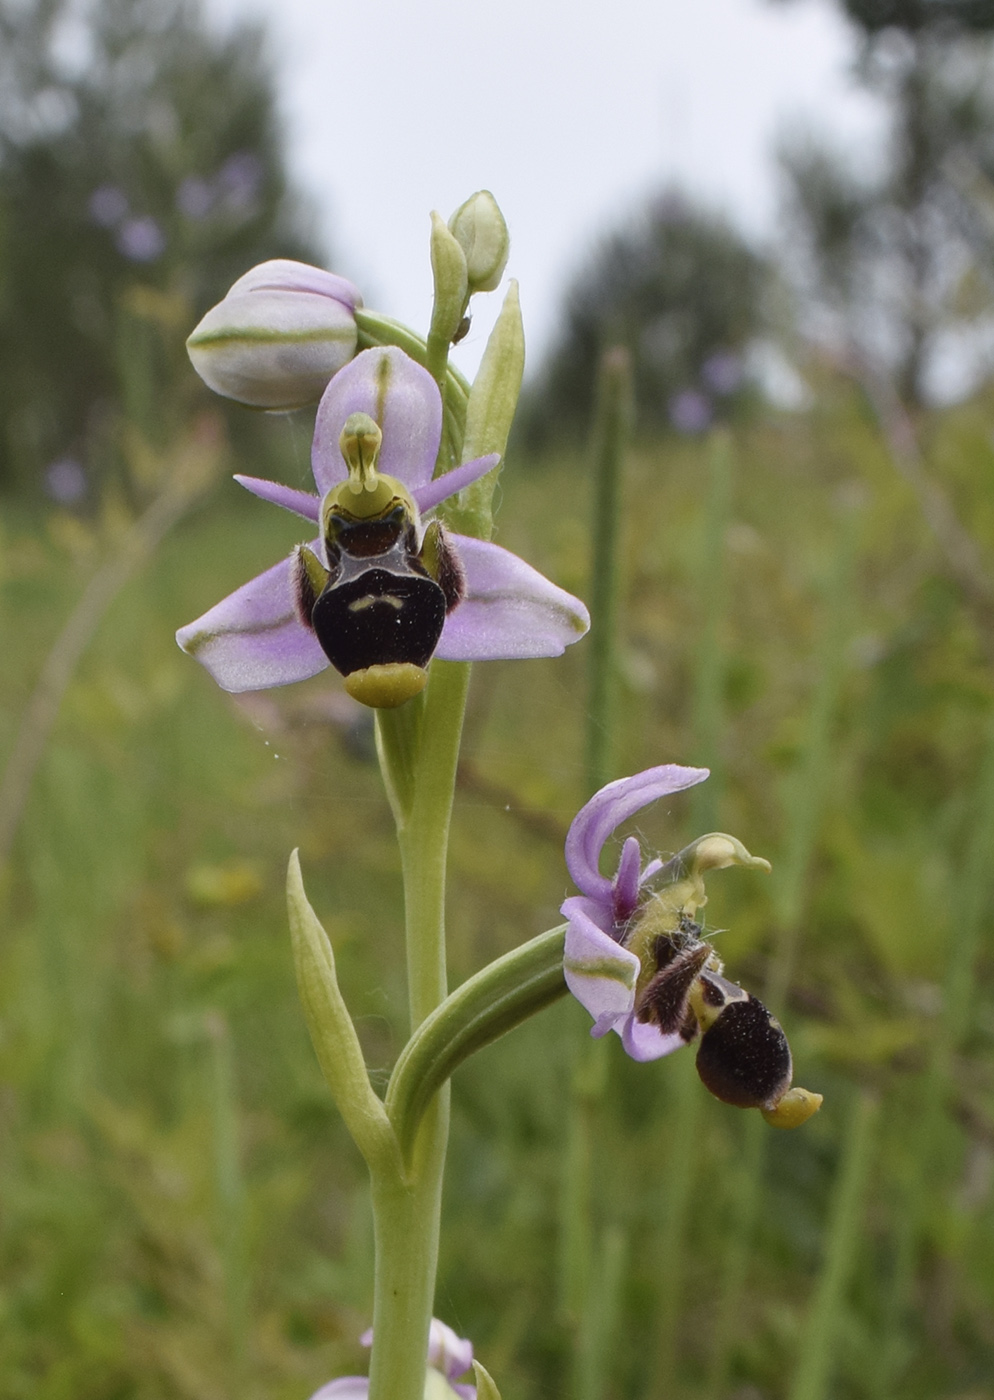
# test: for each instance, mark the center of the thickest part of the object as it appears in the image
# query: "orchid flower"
(379, 592)
(638, 962)
(449, 1356)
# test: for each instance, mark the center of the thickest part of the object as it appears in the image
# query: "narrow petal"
(401, 397)
(626, 882)
(299, 502)
(345, 1388)
(607, 809)
(285, 275)
(643, 1041)
(599, 972)
(442, 486)
(510, 609)
(252, 639)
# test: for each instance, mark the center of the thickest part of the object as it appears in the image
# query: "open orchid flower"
(379, 591)
(639, 963)
(449, 1356)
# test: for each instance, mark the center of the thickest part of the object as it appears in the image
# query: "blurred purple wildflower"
(65, 481)
(141, 239)
(239, 180)
(690, 411)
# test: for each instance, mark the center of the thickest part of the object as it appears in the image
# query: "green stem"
(406, 1207)
(424, 836)
(406, 1221)
(437, 359)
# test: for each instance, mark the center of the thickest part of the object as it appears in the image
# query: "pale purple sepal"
(303, 503)
(598, 971)
(425, 497)
(285, 275)
(252, 639)
(607, 809)
(510, 611)
(401, 397)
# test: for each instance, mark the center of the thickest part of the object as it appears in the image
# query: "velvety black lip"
(379, 618)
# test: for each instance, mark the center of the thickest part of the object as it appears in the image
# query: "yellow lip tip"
(388, 686)
(795, 1108)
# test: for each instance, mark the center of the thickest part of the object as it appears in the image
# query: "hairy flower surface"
(383, 412)
(638, 962)
(449, 1356)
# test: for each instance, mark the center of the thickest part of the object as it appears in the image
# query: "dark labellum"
(379, 617)
(744, 1058)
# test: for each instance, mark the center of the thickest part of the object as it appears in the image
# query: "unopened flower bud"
(277, 338)
(482, 233)
(448, 267)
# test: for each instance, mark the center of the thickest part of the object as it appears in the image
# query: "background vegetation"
(806, 608)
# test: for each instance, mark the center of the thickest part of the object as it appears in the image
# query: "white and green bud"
(277, 338)
(479, 227)
(448, 267)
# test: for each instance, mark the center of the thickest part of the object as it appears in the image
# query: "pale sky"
(570, 111)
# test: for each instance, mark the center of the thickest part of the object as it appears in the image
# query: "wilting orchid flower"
(449, 1356)
(378, 593)
(278, 336)
(639, 963)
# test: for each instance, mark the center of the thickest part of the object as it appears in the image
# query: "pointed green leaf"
(332, 1032)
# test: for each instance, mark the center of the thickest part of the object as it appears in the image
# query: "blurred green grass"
(181, 1214)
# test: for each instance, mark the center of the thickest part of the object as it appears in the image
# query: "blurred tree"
(140, 173)
(682, 290)
(898, 263)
